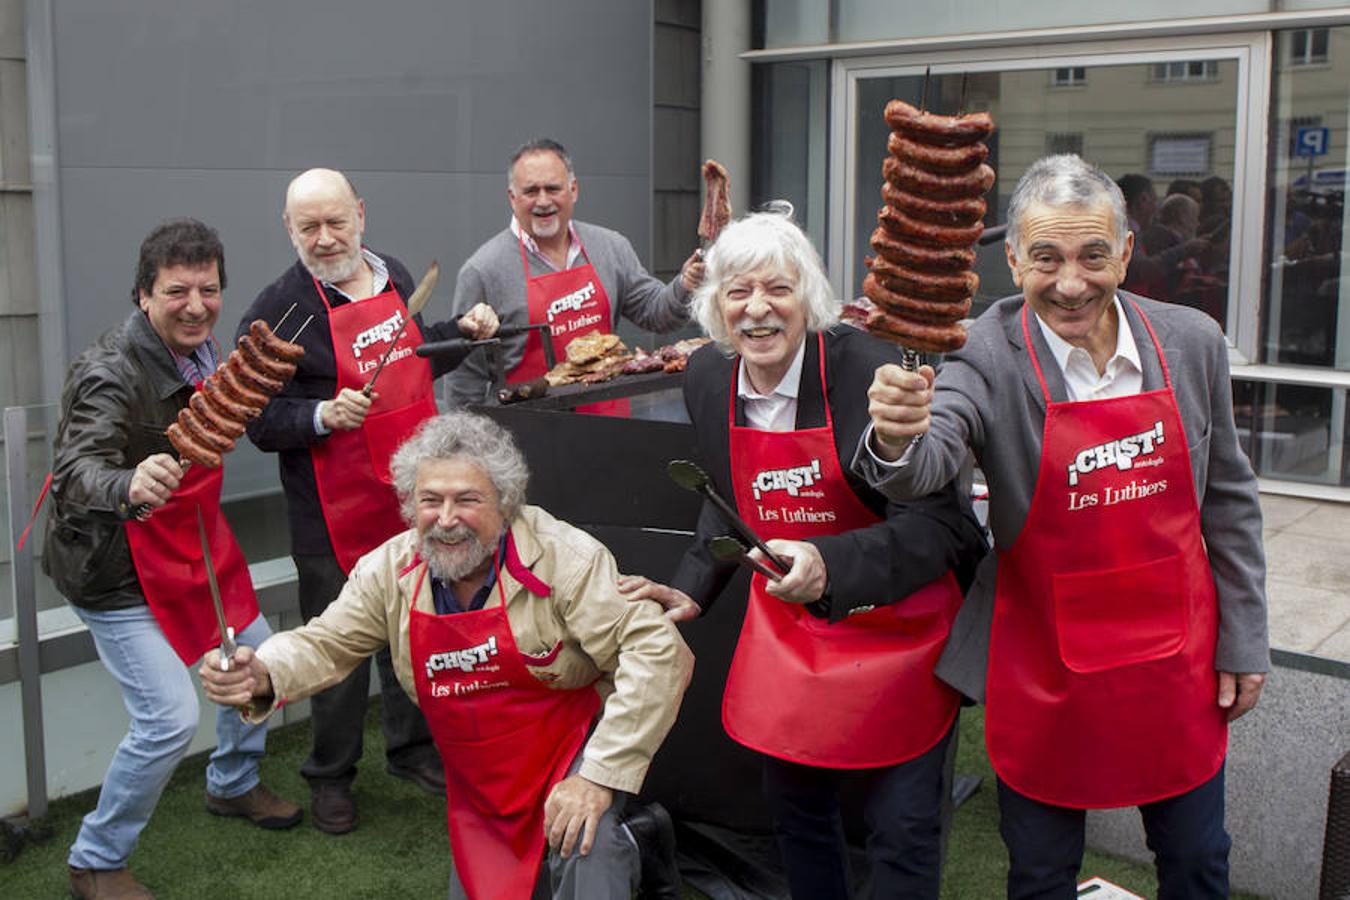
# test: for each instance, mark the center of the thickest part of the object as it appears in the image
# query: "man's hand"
(479, 323)
(691, 272)
(573, 809)
(247, 678)
(678, 605)
(1239, 691)
(805, 581)
(346, 411)
(154, 481)
(898, 402)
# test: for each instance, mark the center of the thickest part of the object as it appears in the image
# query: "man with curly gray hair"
(546, 692)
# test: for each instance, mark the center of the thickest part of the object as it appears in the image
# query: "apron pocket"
(1110, 618)
(384, 433)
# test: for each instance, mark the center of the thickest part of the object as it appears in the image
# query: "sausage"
(923, 258)
(214, 419)
(948, 286)
(937, 187)
(203, 435)
(274, 346)
(903, 226)
(963, 211)
(260, 361)
(939, 160)
(190, 450)
(900, 304)
(931, 128)
(250, 376)
(240, 391)
(221, 400)
(925, 337)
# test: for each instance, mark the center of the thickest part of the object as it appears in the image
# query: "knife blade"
(227, 645)
(416, 303)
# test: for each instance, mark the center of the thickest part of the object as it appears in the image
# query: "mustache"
(458, 534)
(770, 322)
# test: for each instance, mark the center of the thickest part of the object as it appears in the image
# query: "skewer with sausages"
(255, 371)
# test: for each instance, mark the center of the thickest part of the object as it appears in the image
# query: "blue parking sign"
(1311, 141)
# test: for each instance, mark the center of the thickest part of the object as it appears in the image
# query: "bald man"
(333, 446)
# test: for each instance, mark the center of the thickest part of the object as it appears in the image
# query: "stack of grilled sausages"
(935, 178)
(237, 391)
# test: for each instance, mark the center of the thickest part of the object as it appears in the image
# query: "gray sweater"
(493, 275)
(987, 398)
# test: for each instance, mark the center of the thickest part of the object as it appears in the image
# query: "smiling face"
(542, 195)
(458, 517)
(765, 319)
(1068, 269)
(183, 304)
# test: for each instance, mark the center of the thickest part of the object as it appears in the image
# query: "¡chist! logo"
(791, 479)
(571, 302)
(381, 333)
(1124, 453)
(465, 660)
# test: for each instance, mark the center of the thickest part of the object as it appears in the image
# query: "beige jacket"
(632, 654)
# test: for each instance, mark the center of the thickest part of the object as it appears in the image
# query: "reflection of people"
(1127, 596)
(1144, 274)
(333, 446)
(833, 670)
(137, 581)
(546, 692)
(547, 267)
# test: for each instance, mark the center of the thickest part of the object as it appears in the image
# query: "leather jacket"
(119, 396)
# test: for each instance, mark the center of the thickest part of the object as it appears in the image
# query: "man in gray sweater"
(546, 267)
(1122, 623)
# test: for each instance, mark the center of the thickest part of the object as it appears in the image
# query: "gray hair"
(539, 145)
(1065, 180)
(757, 240)
(468, 436)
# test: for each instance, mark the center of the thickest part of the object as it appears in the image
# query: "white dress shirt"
(1123, 375)
(776, 410)
(573, 248)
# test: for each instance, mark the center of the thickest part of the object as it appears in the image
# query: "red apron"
(573, 302)
(504, 736)
(1101, 686)
(167, 553)
(351, 468)
(854, 694)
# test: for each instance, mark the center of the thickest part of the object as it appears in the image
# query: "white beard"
(333, 271)
(451, 562)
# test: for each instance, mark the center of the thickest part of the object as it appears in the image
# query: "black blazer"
(916, 541)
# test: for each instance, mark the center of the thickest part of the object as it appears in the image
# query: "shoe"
(260, 806)
(106, 884)
(428, 774)
(332, 808)
(650, 826)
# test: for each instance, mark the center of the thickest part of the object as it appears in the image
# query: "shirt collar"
(379, 276)
(573, 247)
(1126, 348)
(788, 387)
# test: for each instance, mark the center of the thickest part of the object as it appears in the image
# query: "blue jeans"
(161, 699)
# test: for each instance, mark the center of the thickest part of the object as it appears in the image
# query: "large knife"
(416, 303)
(227, 645)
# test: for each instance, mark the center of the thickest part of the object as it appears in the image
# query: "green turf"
(400, 849)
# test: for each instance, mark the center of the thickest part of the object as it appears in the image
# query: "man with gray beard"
(333, 445)
(546, 691)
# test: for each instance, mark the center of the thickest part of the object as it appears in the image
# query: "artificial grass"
(400, 848)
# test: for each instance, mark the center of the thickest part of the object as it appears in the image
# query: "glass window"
(1306, 46)
(1170, 141)
(1292, 432)
(1307, 296)
(789, 140)
(1186, 70)
(1069, 76)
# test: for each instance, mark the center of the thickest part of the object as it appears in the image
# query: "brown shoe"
(428, 774)
(332, 808)
(106, 884)
(260, 806)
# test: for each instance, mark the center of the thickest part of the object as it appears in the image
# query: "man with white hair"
(546, 692)
(834, 667)
(333, 445)
(1122, 623)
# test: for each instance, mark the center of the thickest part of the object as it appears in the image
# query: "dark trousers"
(903, 812)
(1185, 833)
(338, 714)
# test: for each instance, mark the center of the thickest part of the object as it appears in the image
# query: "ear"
(1012, 263)
(361, 215)
(145, 301)
(1129, 249)
(575, 189)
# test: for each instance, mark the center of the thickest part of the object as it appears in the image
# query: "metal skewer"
(296, 336)
(282, 320)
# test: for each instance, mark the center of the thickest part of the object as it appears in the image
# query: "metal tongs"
(726, 548)
(689, 476)
(227, 645)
